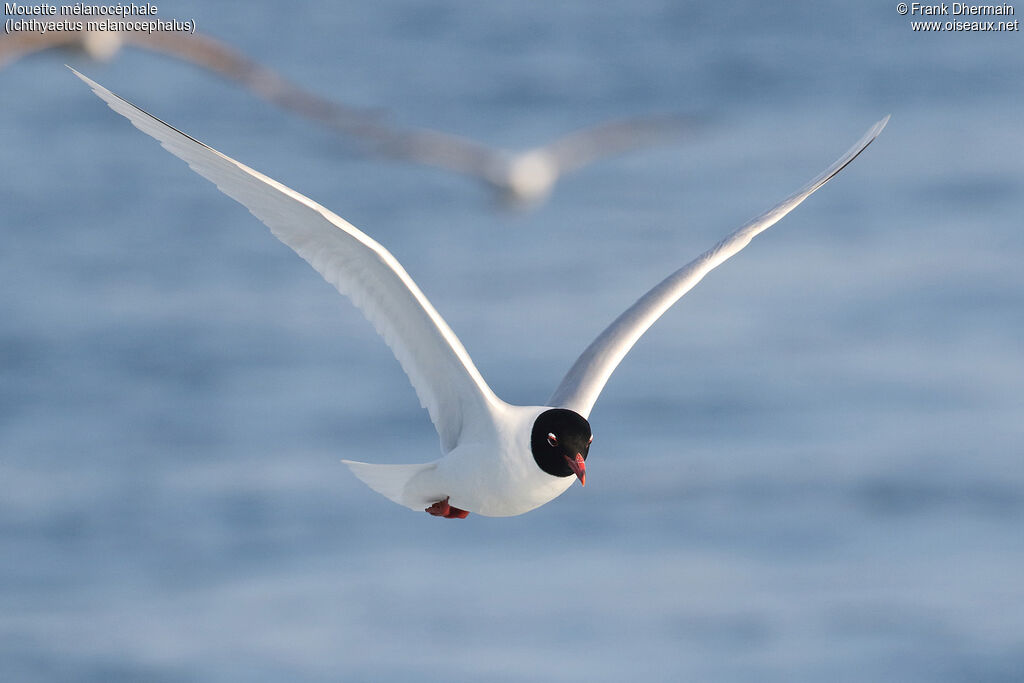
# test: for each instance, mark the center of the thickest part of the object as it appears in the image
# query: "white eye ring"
(552, 439)
(591, 440)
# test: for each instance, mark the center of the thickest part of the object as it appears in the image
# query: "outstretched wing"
(583, 383)
(434, 148)
(491, 165)
(448, 384)
(616, 137)
(18, 44)
(211, 54)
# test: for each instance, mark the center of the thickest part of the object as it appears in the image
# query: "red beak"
(579, 467)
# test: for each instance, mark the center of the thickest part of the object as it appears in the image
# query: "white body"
(487, 466)
(492, 474)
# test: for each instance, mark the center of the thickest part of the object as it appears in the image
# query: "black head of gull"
(560, 442)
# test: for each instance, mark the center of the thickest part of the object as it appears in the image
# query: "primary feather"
(448, 384)
(583, 383)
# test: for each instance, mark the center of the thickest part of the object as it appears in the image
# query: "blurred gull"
(525, 177)
(498, 459)
(522, 178)
(199, 50)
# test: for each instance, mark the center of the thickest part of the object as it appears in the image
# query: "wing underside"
(583, 383)
(448, 384)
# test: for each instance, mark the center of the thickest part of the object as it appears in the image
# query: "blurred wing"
(585, 380)
(448, 384)
(220, 58)
(434, 148)
(615, 137)
(17, 44)
(492, 166)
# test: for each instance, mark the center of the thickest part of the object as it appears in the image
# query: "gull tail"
(392, 481)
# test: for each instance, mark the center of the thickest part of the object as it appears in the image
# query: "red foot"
(442, 509)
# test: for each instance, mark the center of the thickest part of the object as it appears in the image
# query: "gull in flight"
(196, 49)
(497, 459)
(521, 178)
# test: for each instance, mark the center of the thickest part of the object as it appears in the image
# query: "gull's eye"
(552, 439)
(591, 440)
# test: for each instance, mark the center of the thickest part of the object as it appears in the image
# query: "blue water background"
(809, 470)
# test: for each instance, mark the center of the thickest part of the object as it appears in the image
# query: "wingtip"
(854, 151)
(873, 133)
(878, 127)
(85, 79)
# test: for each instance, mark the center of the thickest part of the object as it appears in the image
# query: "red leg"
(442, 509)
(456, 513)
